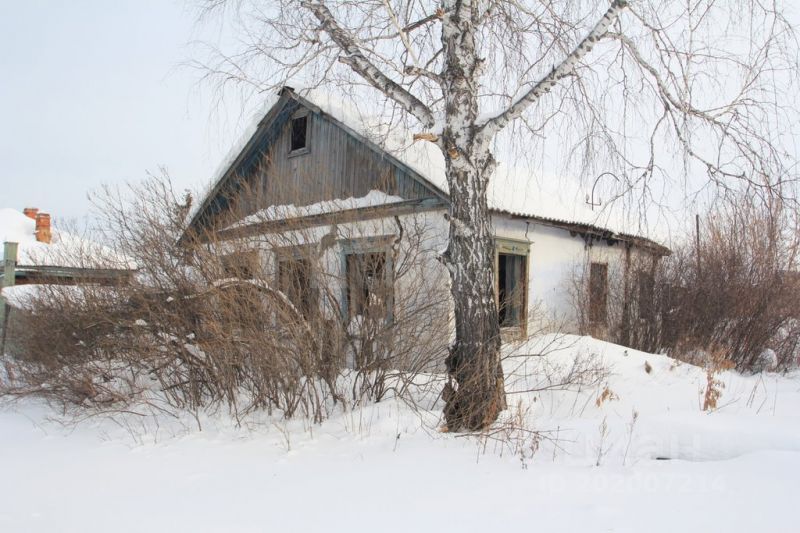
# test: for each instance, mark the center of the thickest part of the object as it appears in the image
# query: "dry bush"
(715, 364)
(733, 294)
(285, 321)
(736, 293)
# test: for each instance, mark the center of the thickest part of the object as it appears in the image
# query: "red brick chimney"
(30, 212)
(43, 228)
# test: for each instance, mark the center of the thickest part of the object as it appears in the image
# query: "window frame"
(248, 260)
(367, 245)
(302, 113)
(297, 253)
(518, 247)
(233, 265)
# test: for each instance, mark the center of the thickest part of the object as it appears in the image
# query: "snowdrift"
(625, 448)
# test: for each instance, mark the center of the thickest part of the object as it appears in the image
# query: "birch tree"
(630, 84)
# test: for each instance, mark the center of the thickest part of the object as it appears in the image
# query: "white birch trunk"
(474, 394)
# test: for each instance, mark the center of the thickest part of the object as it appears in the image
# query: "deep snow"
(384, 468)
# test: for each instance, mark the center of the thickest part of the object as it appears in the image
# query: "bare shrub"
(734, 293)
(294, 321)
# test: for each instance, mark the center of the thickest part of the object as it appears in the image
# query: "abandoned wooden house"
(318, 175)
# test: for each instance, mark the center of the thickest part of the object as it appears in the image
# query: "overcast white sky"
(91, 93)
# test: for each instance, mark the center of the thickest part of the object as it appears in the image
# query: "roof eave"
(338, 217)
(263, 124)
(598, 231)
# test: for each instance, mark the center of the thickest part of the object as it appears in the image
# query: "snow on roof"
(512, 190)
(64, 250)
(28, 295)
(230, 158)
(517, 191)
(278, 212)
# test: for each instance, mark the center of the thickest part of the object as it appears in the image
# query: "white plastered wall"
(557, 258)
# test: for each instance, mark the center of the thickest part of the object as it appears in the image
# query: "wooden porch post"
(8, 280)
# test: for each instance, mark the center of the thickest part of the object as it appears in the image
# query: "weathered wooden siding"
(337, 164)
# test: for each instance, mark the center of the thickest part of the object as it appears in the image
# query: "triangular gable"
(344, 163)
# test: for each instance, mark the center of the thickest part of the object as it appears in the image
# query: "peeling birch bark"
(475, 393)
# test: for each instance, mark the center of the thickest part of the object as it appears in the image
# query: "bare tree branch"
(402, 34)
(422, 22)
(418, 71)
(543, 86)
(355, 59)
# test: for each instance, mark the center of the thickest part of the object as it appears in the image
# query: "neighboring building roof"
(66, 250)
(512, 191)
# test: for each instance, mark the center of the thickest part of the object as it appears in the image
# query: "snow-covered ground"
(672, 467)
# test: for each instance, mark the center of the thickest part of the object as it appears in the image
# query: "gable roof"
(513, 192)
(266, 132)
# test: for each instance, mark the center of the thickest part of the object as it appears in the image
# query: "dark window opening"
(511, 287)
(598, 293)
(299, 133)
(646, 296)
(369, 288)
(294, 280)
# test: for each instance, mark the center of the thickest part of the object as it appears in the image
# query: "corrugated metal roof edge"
(583, 227)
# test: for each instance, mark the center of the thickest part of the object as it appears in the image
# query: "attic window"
(299, 133)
